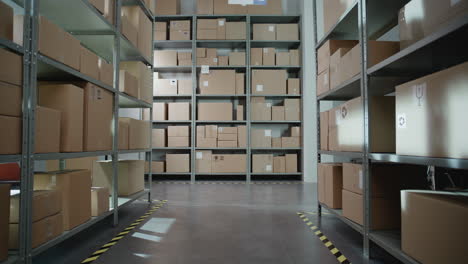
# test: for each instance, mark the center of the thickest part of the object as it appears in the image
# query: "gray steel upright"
(194, 98)
(248, 106)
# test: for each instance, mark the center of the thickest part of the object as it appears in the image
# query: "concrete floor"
(219, 223)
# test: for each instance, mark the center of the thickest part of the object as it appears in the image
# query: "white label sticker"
(454, 2)
(267, 133)
(215, 60)
(268, 104)
(420, 95)
(361, 180)
(325, 79)
(221, 23)
(268, 168)
(173, 82)
(265, 50)
(205, 83)
(402, 121)
(259, 88)
(205, 69)
(271, 28)
(199, 155)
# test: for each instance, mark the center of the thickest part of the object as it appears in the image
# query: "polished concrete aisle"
(218, 223)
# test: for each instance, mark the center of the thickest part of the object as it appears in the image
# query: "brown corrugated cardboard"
(262, 163)
(203, 161)
(291, 163)
(184, 56)
(131, 176)
(178, 131)
(333, 10)
(42, 231)
(276, 142)
(211, 131)
(128, 83)
(349, 65)
(4, 215)
(89, 63)
(256, 56)
(292, 109)
(332, 185)
(178, 142)
(69, 100)
(160, 111)
(72, 56)
(229, 163)
(240, 113)
(99, 201)
(335, 74)
(223, 7)
(185, 62)
(178, 163)
(227, 143)
(261, 111)
(218, 82)
(165, 58)
(160, 26)
(242, 136)
(207, 24)
(160, 32)
(185, 87)
(210, 61)
(144, 76)
(129, 30)
(221, 30)
(179, 34)
(295, 131)
(269, 81)
(264, 32)
(159, 138)
(236, 30)
(329, 48)
(10, 135)
(179, 111)
(277, 113)
(294, 57)
(201, 131)
(290, 142)
(211, 52)
(237, 59)
(106, 72)
(380, 50)
(73, 164)
(323, 82)
(421, 211)
(262, 7)
(240, 83)
(279, 164)
(99, 5)
(123, 135)
(282, 58)
(207, 142)
(294, 86)
(109, 11)
(6, 29)
(180, 24)
(227, 130)
(47, 130)
(75, 188)
(44, 203)
(207, 34)
(165, 87)
(205, 7)
(287, 32)
(321, 182)
(10, 100)
(324, 130)
(223, 60)
(156, 167)
(138, 133)
(419, 130)
(215, 111)
(51, 38)
(269, 56)
(167, 7)
(201, 52)
(261, 138)
(227, 137)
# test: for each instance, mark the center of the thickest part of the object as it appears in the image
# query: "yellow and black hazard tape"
(335, 251)
(122, 234)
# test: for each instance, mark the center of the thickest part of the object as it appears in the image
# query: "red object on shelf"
(10, 172)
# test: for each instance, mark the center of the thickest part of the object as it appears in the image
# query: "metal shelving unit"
(245, 98)
(102, 37)
(368, 20)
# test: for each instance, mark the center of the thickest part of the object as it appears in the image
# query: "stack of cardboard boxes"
(143, 74)
(269, 163)
(264, 111)
(207, 162)
(169, 111)
(133, 134)
(167, 58)
(272, 57)
(207, 56)
(177, 136)
(142, 27)
(225, 82)
(212, 136)
(262, 138)
(219, 29)
(171, 87)
(283, 32)
(226, 7)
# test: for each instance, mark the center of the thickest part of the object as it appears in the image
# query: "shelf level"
(343, 92)
(279, 44)
(10, 158)
(11, 45)
(173, 44)
(353, 155)
(73, 155)
(390, 241)
(438, 162)
(133, 151)
(127, 101)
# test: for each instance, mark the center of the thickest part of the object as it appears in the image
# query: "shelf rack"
(368, 20)
(102, 37)
(194, 70)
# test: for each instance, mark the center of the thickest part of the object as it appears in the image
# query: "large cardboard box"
(138, 133)
(106, 72)
(224, 7)
(159, 111)
(291, 163)
(165, 87)
(237, 58)
(292, 109)
(331, 184)
(269, 81)
(44, 203)
(179, 111)
(131, 176)
(158, 138)
(240, 83)
(69, 100)
(4, 218)
(229, 163)
(10, 135)
(256, 56)
(75, 188)
(72, 55)
(264, 32)
(261, 138)
(421, 211)
(124, 129)
(10, 100)
(287, 32)
(265, 7)
(165, 58)
(144, 76)
(185, 87)
(128, 83)
(279, 164)
(242, 136)
(167, 7)
(333, 10)
(99, 201)
(11, 68)
(144, 28)
(236, 30)
(277, 113)
(89, 63)
(218, 82)
(6, 26)
(329, 48)
(205, 7)
(324, 124)
(215, 111)
(261, 110)
(429, 111)
(203, 161)
(262, 163)
(50, 41)
(282, 58)
(47, 130)
(42, 231)
(178, 163)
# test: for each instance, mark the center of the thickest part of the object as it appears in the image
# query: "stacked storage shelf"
(402, 143)
(220, 71)
(91, 63)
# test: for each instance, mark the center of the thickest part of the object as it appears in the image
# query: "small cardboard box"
(179, 111)
(262, 163)
(131, 176)
(218, 82)
(211, 131)
(279, 164)
(282, 58)
(167, 7)
(291, 163)
(159, 138)
(264, 32)
(178, 131)
(295, 131)
(165, 58)
(236, 30)
(330, 184)
(201, 52)
(207, 142)
(160, 32)
(277, 113)
(290, 142)
(180, 25)
(51, 38)
(203, 161)
(215, 111)
(209, 61)
(165, 87)
(178, 163)
(138, 133)
(256, 56)
(261, 138)
(294, 86)
(269, 81)
(128, 83)
(156, 167)
(287, 32)
(47, 135)
(99, 201)
(292, 109)
(237, 58)
(269, 56)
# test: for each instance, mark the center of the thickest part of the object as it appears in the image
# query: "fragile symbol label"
(402, 122)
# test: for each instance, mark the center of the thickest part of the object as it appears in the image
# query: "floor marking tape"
(122, 234)
(328, 244)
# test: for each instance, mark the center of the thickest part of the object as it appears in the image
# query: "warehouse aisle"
(217, 223)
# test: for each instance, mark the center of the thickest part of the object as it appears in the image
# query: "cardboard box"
(69, 100)
(144, 76)
(291, 142)
(256, 56)
(10, 100)
(179, 111)
(47, 130)
(276, 142)
(203, 161)
(295, 131)
(211, 52)
(44, 203)
(324, 130)
(179, 34)
(294, 86)
(277, 113)
(178, 142)
(329, 48)
(227, 130)
(128, 83)
(223, 60)
(165, 58)
(228, 137)
(292, 109)
(185, 87)
(167, 7)
(124, 129)
(131, 176)
(89, 63)
(262, 163)
(201, 52)
(269, 7)
(156, 167)
(180, 24)
(381, 50)
(221, 30)
(237, 59)
(287, 32)
(207, 61)
(205, 7)
(160, 32)
(165, 87)
(261, 138)
(72, 56)
(269, 81)
(178, 163)
(211, 29)
(6, 28)
(282, 58)
(261, 110)
(207, 142)
(240, 113)
(75, 188)
(420, 212)
(99, 201)
(334, 76)
(185, 62)
(227, 143)
(291, 163)
(218, 82)
(333, 10)
(211, 131)
(294, 57)
(129, 30)
(72, 164)
(330, 184)
(264, 32)
(106, 72)
(159, 138)
(419, 131)
(109, 11)
(215, 111)
(42, 231)
(178, 131)
(50, 40)
(10, 136)
(321, 169)
(4, 216)
(279, 164)
(138, 133)
(229, 163)
(159, 111)
(323, 82)
(207, 34)
(269, 56)
(242, 136)
(18, 29)
(236, 30)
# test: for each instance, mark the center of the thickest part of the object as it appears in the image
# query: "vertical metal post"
(248, 75)
(301, 81)
(193, 123)
(150, 153)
